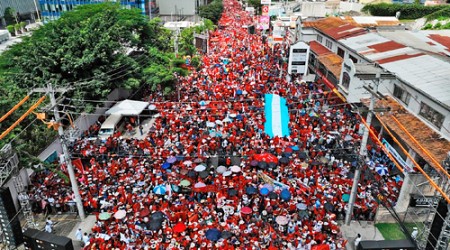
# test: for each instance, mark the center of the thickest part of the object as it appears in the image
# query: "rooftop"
(428, 138)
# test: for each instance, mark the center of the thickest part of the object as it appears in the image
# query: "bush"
(11, 29)
(440, 14)
(408, 11)
(17, 27)
(22, 25)
(446, 26)
(429, 26)
(437, 26)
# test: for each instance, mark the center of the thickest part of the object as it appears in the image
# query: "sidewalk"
(85, 226)
(367, 230)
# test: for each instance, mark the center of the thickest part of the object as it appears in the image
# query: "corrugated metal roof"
(361, 43)
(318, 48)
(429, 139)
(422, 39)
(426, 73)
(332, 62)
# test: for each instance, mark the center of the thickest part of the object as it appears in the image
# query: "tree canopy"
(212, 11)
(93, 49)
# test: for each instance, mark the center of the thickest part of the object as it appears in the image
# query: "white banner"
(266, 1)
(395, 154)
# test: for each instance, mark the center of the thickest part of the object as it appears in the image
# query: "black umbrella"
(329, 207)
(157, 216)
(155, 225)
(316, 163)
(232, 192)
(302, 155)
(226, 235)
(191, 173)
(284, 160)
(272, 165)
(203, 174)
(262, 165)
(272, 195)
(251, 190)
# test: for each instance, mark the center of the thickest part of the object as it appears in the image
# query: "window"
(431, 115)
(341, 52)
(354, 60)
(401, 94)
(319, 38)
(345, 80)
(329, 44)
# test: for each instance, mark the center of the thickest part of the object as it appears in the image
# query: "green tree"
(255, 4)
(10, 15)
(212, 11)
(94, 49)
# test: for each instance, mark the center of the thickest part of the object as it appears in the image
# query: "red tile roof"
(386, 46)
(398, 58)
(444, 40)
(318, 48)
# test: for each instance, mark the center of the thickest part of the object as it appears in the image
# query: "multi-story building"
(52, 9)
(414, 70)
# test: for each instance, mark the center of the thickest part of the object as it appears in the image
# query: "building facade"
(25, 8)
(52, 9)
(180, 7)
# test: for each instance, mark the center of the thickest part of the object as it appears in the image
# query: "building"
(180, 8)
(52, 9)
(413, 67)
(26, 9)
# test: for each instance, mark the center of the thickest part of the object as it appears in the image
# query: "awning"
(127, 107)
(333, 63)
(427, 137)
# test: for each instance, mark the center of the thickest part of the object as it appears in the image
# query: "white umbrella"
(235, 169)
(152, 107)
(187, 163)
(210, 124)
(227, 173)
(227, 119)
(221, 169)
(200, 168)
(219, 122)
(199, 185)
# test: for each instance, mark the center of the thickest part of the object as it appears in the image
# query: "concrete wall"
(350, 6)
(175, 7)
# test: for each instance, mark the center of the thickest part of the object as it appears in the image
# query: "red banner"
(209, 188)
(79, 165)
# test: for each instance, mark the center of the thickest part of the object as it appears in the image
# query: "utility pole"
(362, 152)
(73, 180)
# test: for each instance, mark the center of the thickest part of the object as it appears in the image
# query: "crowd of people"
(207, 176)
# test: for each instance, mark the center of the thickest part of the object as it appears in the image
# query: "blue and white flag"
(277, 116)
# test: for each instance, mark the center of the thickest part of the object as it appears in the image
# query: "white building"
(414, 68)
(179, 7)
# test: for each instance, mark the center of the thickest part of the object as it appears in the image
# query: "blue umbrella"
(381, 170)
(264, 191)
(251, 190)
(213, 234)
(268, 186)
(160, 189)
(172, 159)
(202, 103)
(285, 195)
(295, 148)
(165, 165)
(238, 92)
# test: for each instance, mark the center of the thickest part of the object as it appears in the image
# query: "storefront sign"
(298, 58)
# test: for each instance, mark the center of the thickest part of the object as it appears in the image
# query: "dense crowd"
(207, 176)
